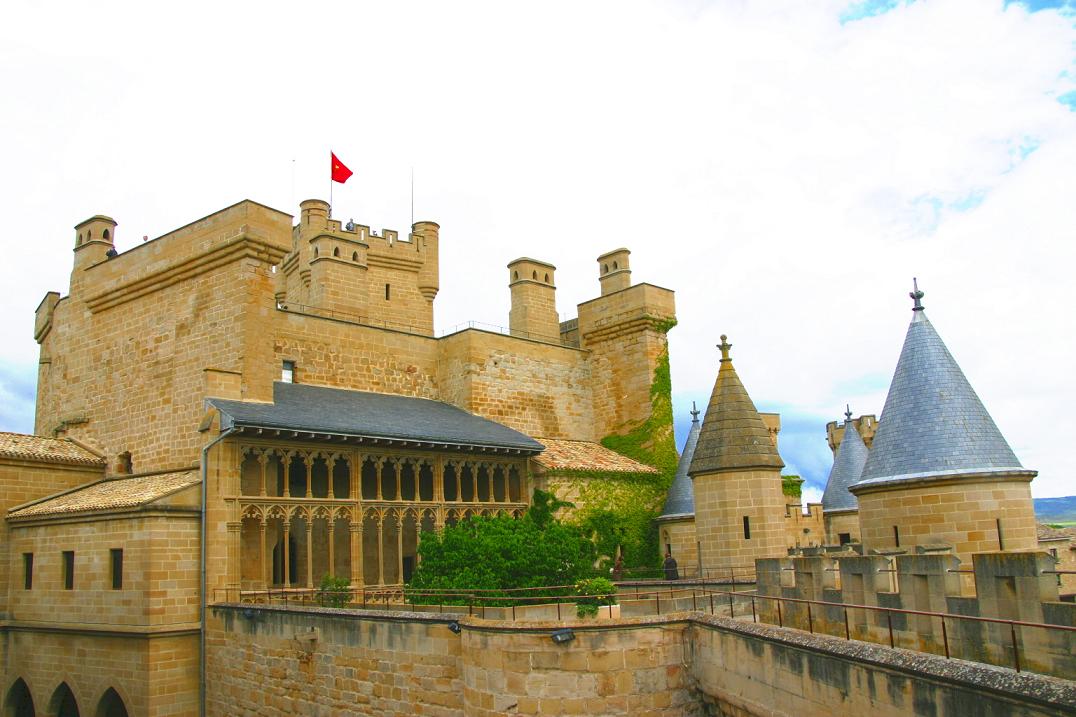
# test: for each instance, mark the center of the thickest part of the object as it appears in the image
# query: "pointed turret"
(839, 507)
(847, 469)
(933, 422)
(733, 436)
(677, 521)
(739, 504)
(681, 498)
(939, 471)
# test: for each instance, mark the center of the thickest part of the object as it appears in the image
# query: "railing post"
(558, 607)
(657, 602)
(693, 607)
(732, 610)
(810, 621)
(711, 603)
(847, 632)
(889, 619)
(1015, 647)
(753, 618)
(945, 638)
(780, 619)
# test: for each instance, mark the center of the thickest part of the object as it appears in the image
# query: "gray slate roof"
(933, 423)
(681, 498)
(338, 411)
(847, 469)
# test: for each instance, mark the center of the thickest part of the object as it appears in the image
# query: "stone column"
(358, 579)
(309, 544)
(267, 576)
(330, 465)
(331, 524)
(235, 569)
(263, 462)
(286, 524)
(307, 466)
(380, 548)
(380, 464)
(399, 548)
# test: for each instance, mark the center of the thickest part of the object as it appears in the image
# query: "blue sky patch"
(869, 8)
(1069, 100)
(1065, 6)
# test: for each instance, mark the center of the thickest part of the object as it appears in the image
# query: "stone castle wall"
(128, 357)
(276, 661)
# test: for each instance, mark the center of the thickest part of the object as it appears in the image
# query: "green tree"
(497, 553)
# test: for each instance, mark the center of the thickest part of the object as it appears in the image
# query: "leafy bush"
(594, 593)
(334, 591)
(498, 553)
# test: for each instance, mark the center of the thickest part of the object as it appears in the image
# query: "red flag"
(340, 173)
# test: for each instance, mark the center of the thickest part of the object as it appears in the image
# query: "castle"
(253, 402)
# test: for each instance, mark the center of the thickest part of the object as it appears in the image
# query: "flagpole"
(330, 184)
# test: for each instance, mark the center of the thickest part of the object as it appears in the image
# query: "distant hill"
(1056, 510)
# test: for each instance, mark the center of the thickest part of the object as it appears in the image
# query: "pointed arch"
(19, 702)
(111, 705)
(63, 703)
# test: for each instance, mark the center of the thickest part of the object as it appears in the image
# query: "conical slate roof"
(681, 499)
(933, 423)
(847, 469)
(733, 436)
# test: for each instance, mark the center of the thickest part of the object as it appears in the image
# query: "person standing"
(671, 572)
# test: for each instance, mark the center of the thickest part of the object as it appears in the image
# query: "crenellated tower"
(353, 273)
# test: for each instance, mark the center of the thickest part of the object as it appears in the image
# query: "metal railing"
(670, 595)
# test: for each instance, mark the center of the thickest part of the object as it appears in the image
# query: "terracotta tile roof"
(38, 448)
(560, 454)
(110, 494)
(1045, 532)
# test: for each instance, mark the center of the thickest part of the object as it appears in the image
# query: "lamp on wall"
(562, 636)
(455, 627)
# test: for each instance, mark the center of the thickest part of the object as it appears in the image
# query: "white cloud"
(786, 174)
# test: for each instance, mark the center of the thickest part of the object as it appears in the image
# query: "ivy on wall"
(791, 486)
(619, 508)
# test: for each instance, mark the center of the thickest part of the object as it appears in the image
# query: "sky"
(786, 167)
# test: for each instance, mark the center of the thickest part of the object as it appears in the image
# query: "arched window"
(534, 275)
(605, 268)
(111, 705)
(336, 251)
(515, 275)
(63, 702)
(315, 252)
(615, 267)
(106, 235)
(354, 256)
(78, 241)
(547, 278)
(19, 701)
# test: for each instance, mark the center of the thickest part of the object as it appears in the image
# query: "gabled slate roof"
(847, 469)
(733, 436)
(372, 416)
(21, 446)
(933, 423)
(681, 498)
(561, 454)
(110, 494)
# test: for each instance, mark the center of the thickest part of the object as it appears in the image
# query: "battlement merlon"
(243, 229)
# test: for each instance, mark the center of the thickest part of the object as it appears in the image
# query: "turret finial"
(916, 295)
(724, 346)
(847, 412)
(694, 413)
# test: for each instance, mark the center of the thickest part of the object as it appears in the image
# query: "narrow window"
(116, 562)
(336, 251)
(28, 570)
(287, 372)
(896, 536)
(69, 569)
(746, 528)
(354, 256)
(386, 292)
(668, 548)
(844, 538)
(1001, 539)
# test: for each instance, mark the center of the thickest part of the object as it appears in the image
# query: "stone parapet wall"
(1008, 586)
(275, 661)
